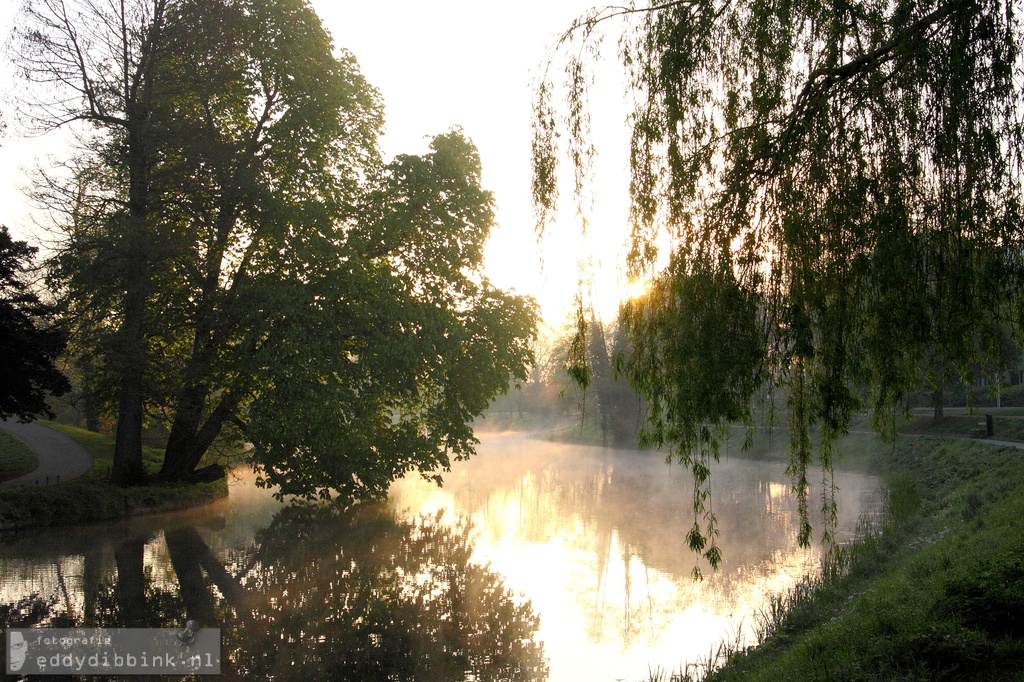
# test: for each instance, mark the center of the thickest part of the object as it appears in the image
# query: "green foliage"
(407, 346)
(302, 295)
(852, 169)
(577, 363)
(29, 343)
(697, 359)
(699, 344)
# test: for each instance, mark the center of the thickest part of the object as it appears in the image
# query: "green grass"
(968, 426)
(92, 498)
(1008, 428)
(979, 397)
(16, 458)
(101, 448)
(935, 593)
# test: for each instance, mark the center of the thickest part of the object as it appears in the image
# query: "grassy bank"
(91, 498)
(937, 593)
(16, 458)
(1006, 427)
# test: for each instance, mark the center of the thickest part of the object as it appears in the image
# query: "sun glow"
(637, 289)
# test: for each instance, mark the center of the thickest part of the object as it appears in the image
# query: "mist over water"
(536, 560)
(596, 538)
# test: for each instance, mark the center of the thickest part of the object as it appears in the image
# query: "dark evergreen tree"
(29, 343)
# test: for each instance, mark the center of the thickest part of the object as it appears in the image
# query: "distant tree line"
(552, 399)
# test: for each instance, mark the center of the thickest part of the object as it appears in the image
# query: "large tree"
(301, 295)
(29, 343)
(95, 63)
(840, 183)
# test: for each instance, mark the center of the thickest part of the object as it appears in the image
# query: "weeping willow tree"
(839, 184)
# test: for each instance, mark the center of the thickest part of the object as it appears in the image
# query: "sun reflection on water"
(595, 538)
(591, 540)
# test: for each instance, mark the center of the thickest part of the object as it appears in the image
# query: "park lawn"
(1005, 427)
(92, 498)
(16, 458)
(936, 593)
(101, 447)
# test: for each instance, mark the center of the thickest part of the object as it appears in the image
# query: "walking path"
(1011, 443)
(990, 441)
(60, 457)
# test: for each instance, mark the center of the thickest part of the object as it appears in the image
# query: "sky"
(437, 65)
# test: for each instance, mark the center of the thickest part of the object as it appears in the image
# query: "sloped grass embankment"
(16, 458)
(92, 498)
(935, 593)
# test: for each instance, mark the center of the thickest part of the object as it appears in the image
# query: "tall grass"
(699, 670)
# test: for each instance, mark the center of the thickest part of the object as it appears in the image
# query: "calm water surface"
(536, 561)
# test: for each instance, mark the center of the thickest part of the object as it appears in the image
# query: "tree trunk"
(191, 437)
(937, 400)
(127, 466)
(181, 443)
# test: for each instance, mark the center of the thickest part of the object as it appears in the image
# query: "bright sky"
(440, 64)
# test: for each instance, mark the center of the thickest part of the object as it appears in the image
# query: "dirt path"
(60, 457)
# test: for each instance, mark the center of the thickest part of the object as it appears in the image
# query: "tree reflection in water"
(362, 595)
(326, 595)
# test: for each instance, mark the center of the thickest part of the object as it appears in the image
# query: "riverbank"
(92, 498)
(936, 592)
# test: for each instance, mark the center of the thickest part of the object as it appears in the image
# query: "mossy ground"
(92, 498)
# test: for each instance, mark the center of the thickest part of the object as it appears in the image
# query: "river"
(535, 561)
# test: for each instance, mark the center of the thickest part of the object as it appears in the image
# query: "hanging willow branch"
(841, 187)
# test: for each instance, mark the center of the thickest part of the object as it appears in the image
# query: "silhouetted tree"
(29, 344)
(98, 63)
(240, 262)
